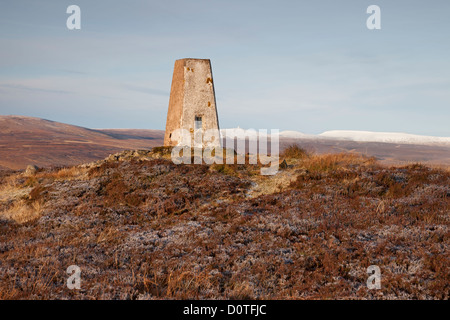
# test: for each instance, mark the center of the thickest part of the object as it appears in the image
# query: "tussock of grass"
(67, 174)
(338, 161)
(110, 235)
(294, 152)
(11, 189)
(21, 211)
(163, 151)
(225, 169)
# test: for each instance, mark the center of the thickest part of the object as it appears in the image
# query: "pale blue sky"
(309, 66)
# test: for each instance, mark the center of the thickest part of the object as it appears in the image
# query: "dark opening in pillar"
(198, 123)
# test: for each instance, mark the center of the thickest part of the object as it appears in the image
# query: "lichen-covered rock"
(31, 170)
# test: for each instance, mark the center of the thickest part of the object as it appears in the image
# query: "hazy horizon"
(292, 65)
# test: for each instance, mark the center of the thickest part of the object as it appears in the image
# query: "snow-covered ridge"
(363, 136)
(388, 137)
(252, 133)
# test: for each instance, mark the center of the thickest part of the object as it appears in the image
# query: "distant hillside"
(388, 137)
(389, 148)
(27, 140)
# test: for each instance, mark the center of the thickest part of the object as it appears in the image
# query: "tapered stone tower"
(192, 103)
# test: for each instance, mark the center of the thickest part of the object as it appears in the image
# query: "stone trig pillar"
(192, 103)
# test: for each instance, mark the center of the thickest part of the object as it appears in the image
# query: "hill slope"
(27, 140)
(158, 230)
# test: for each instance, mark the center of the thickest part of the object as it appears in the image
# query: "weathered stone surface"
(31, 170)
(192, 95)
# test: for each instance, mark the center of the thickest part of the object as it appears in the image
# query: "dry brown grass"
(149, 229)
(21, 197)
(13, 203)
(110, 235)
(68, 174)
(11, 189)
(294, 151)
(314, 167)
(177, 283)
(22, 211)
(336, 161)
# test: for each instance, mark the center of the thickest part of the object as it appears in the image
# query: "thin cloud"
(35, 89)
(147, 90)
